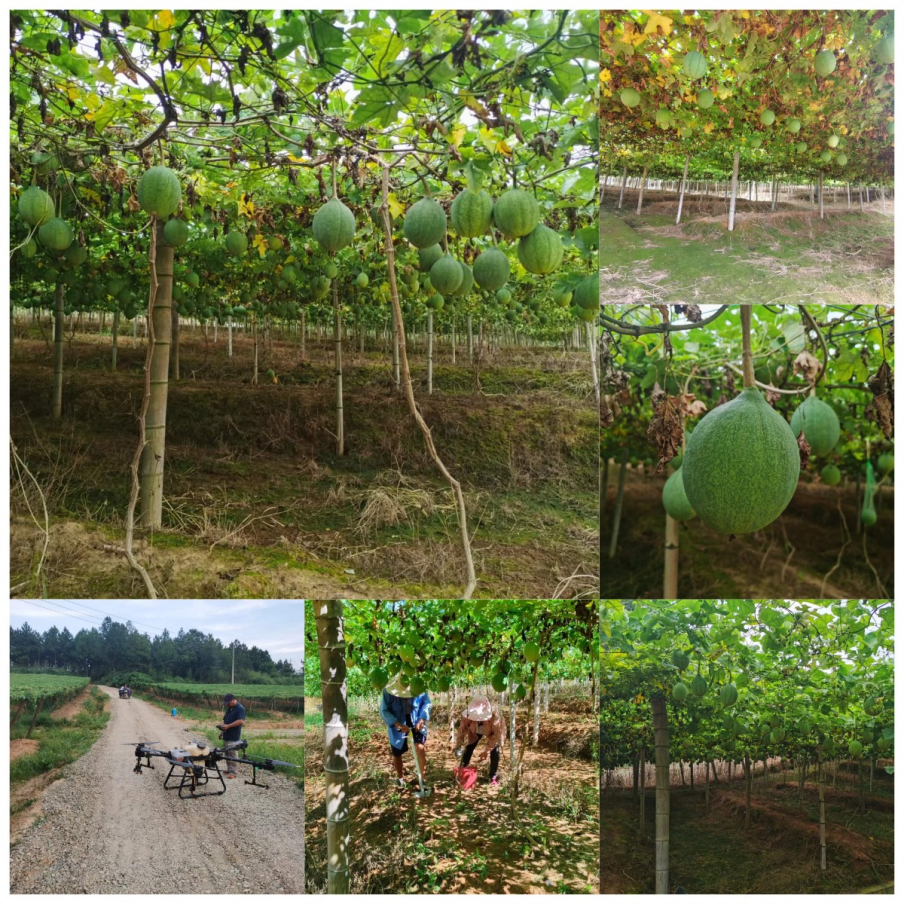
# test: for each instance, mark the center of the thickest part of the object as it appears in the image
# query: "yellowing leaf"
(745, 13)
(708, 127)
(657, 21)
(457, 135)
(503, 148)
(165, 19)
(92, 196)
(395, 209)
(246, 208)
(488, 139)
(605, 76)
(260, 243)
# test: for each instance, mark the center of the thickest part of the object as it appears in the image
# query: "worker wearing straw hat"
(480, 720)
(403, 713)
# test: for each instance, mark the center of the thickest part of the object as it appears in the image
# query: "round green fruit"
(237, 243)
(793, 126)
(694, 65)
(705, 98)
(445, 274)
(289, 274)
(467, 280)
(516, 213)
(476, 660)
(832, 141)
(841, 159)
(471, 213)
(884, 744)
(159, 191)
(330, 270)
(75, 255)
(176, 232)
(56, 235)
(499, 682)
(777, 735)
(491, 269)
(728, 694)
(417, 686)
(741, 465)
(756, 141)
(767, 117)
(674, 498)
(699, 686)
(540, 251)
(436, 302)
(801, 147)
(679, 692)
(825, 63)
(819, 425)
(825, 156)
(362, 281)
(425, 223)
(29, 249)
(886, 462)
(587, 294)
(406, 653)
(830, 475)
(520, 692)
(193, 280)
(630, 97)
(427, 257)
(680, 660)
(503, 296)
(663, 117)
(855, 748)
(531, 652)
(885, 50)
(333, 226)
(36, 206)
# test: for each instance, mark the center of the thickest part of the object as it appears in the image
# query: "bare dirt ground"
(466, 842)
(107, 830)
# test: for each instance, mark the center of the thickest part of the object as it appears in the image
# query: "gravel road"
(108, 830)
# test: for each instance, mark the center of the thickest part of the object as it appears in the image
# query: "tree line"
(117, 647)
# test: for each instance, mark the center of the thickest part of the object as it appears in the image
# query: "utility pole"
(233, 663)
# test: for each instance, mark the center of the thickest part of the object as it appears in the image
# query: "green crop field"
(30, 688)
(279, 696)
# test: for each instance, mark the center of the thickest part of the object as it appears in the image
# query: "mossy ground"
(257, 502)
(786, 256)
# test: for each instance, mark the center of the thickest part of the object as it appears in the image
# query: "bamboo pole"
(734, 192)
(58, 329)
(670, 577)
(661, 740)
(643, 182)
(328, 616)
(687, 160)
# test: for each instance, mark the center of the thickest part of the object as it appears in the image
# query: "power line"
(110, 614)
(57, 611)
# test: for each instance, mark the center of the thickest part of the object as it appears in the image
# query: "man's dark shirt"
(235, 712)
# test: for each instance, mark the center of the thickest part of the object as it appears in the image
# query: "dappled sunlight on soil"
(459, 841)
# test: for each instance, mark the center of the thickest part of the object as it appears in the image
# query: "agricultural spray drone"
(197, 763)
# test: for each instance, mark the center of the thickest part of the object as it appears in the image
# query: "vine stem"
(409, 392)
(142, 423)
(746, 354)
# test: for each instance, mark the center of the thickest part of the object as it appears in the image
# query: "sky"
(276, 626)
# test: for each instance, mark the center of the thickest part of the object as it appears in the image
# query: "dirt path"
(108, 830)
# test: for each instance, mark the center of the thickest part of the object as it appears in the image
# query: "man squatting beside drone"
(403, 713)
(231, 728)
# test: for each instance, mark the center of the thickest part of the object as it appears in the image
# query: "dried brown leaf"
(693, 313)
(882, 386)
(606, 416)
(772, 395)
(665, 432)
(804, 449)
(807, 365)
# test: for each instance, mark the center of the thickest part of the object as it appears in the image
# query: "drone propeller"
(283, 763)
(141, 744)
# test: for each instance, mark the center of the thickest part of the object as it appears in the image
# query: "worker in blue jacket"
(402, 714)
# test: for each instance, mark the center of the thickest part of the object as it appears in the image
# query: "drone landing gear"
(139, 765)
(254, 780)
(195, 777)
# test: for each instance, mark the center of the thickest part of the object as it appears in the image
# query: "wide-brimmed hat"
(478, 710)
(398, 687)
